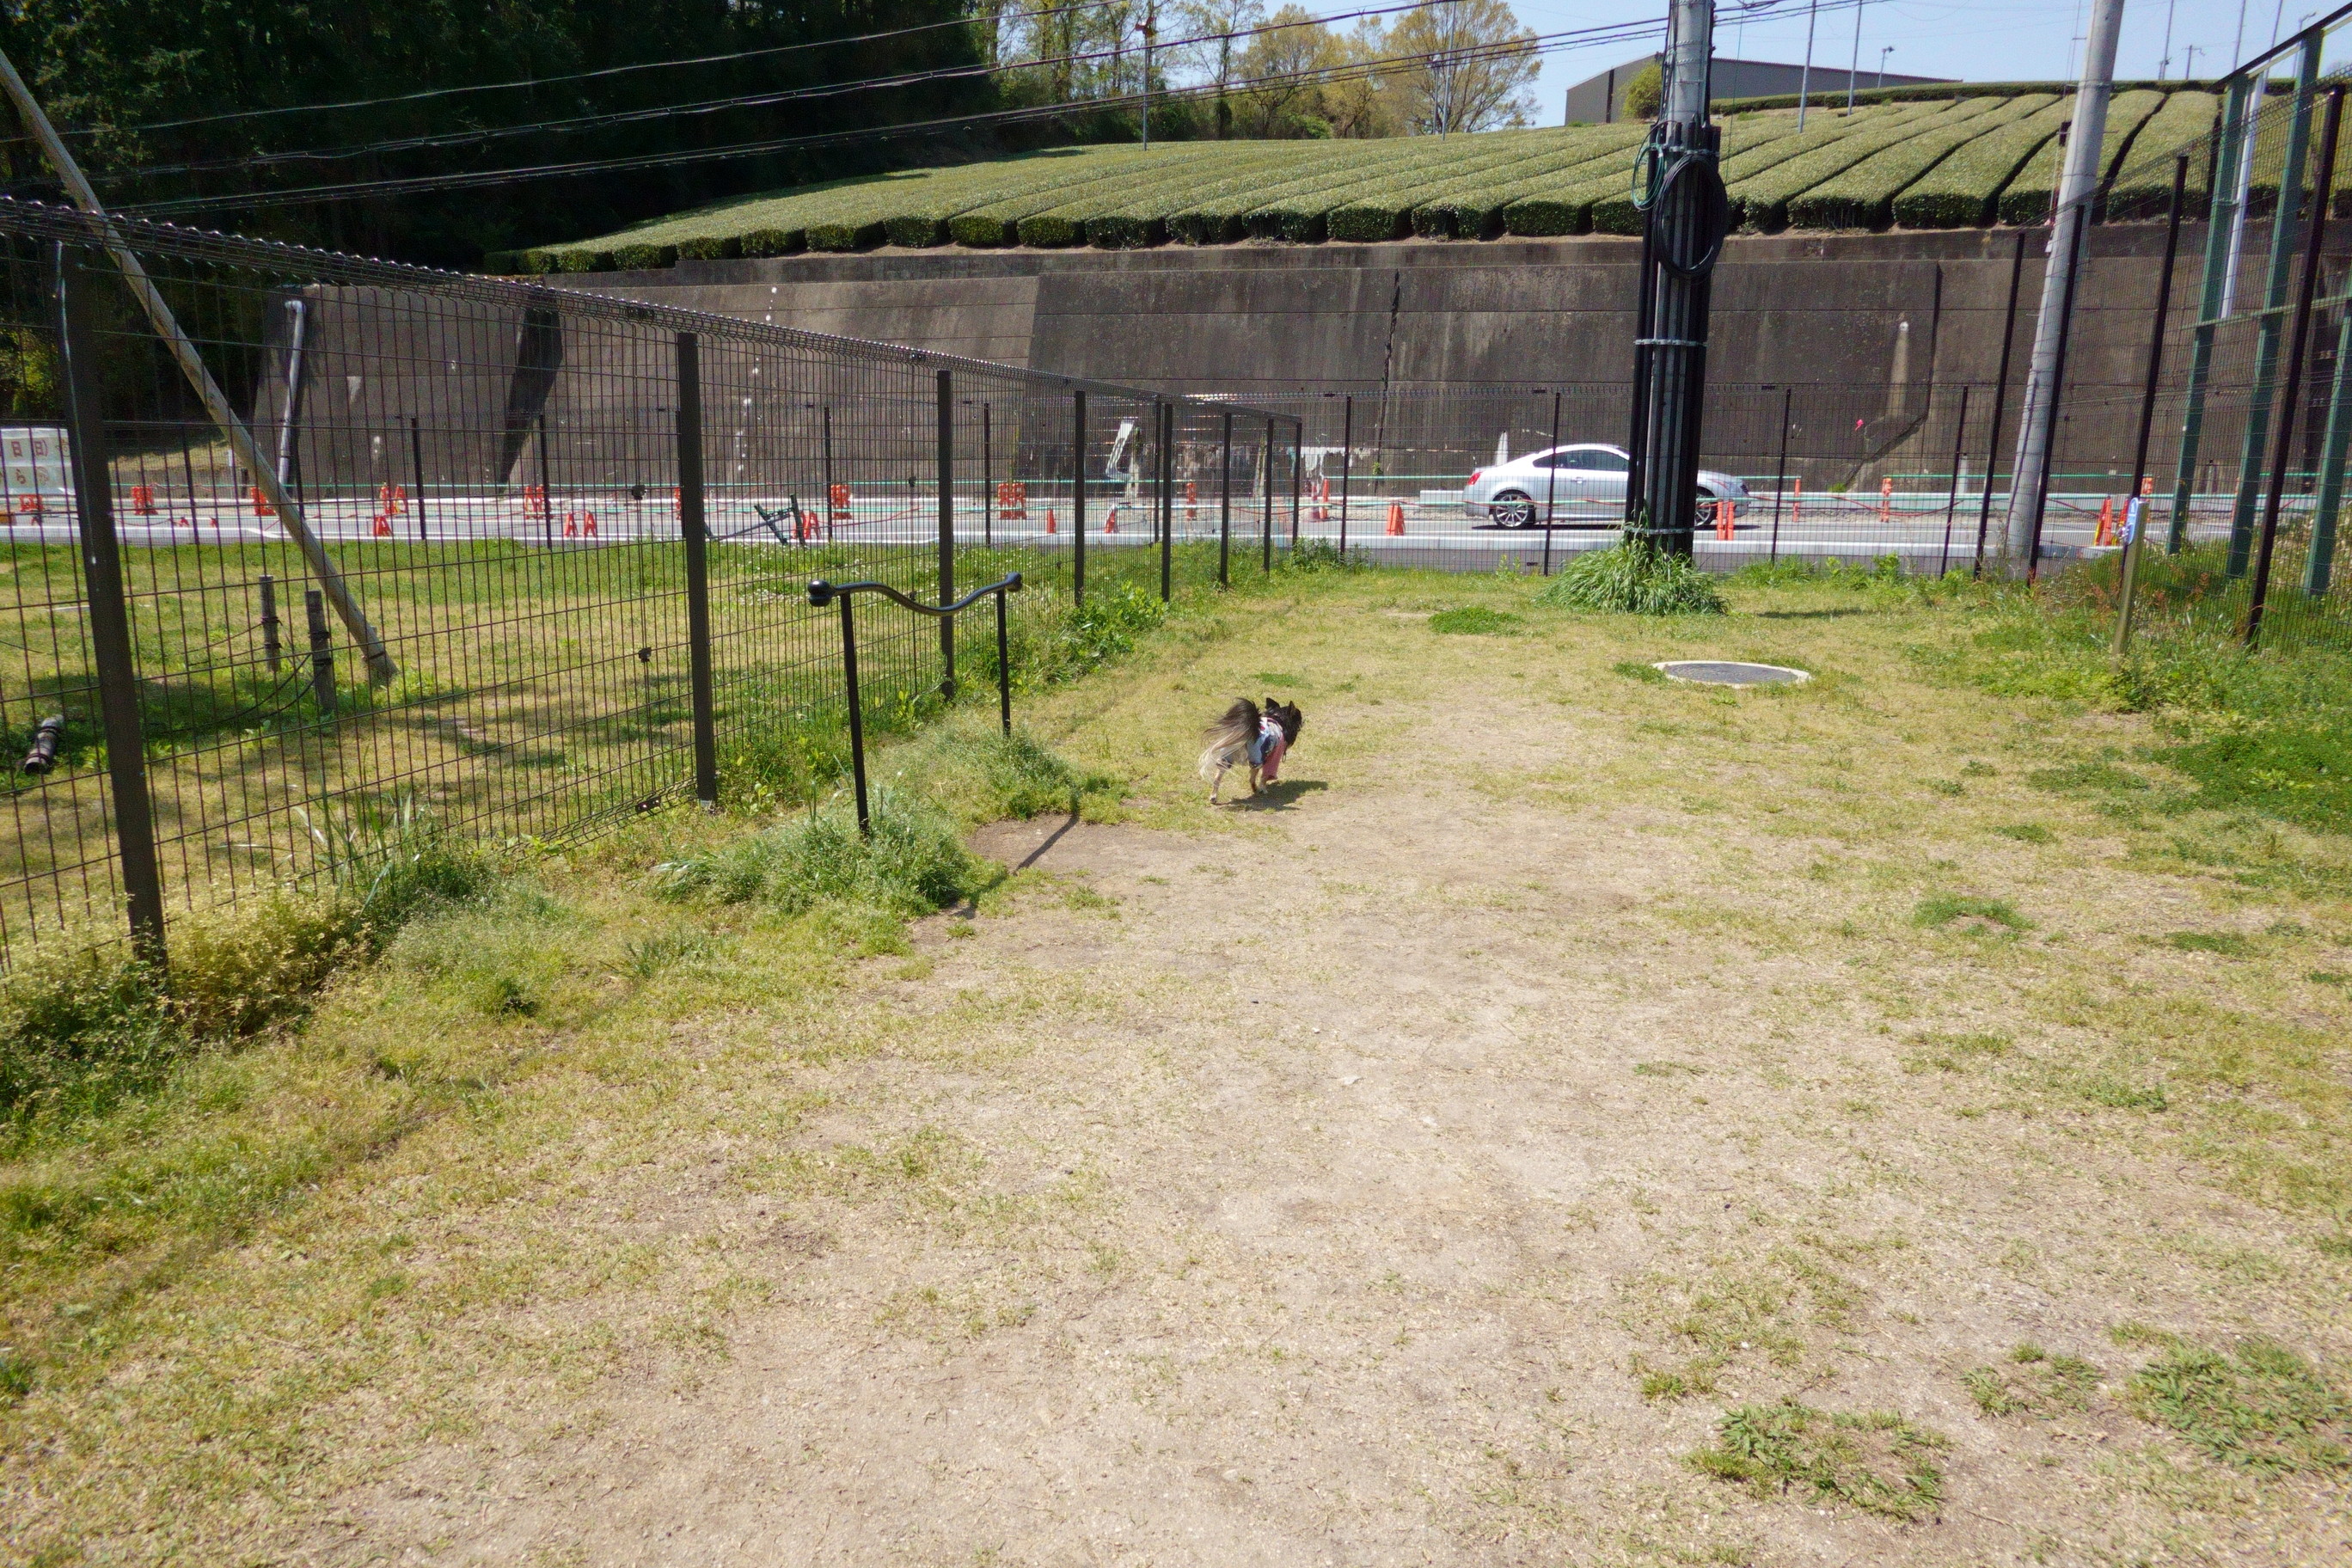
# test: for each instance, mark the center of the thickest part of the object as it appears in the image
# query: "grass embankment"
(1956, 977)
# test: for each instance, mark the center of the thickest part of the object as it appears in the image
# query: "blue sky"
(1978, 40)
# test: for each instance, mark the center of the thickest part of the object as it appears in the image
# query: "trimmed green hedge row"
(2028, 196)
(1959, 192)
(2143, 186)
(1863, 196)
(1923, 161)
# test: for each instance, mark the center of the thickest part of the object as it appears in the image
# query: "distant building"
(1602, 98)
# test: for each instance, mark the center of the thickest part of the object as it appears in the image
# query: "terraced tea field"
(1953, 162)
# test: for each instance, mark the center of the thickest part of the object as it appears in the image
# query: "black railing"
(822, 593)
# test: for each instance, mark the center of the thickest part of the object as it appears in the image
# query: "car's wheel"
(1512, 508)
(1702, 512)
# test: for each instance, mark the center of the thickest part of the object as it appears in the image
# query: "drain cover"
(1723, 672)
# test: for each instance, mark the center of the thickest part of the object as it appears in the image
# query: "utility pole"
(1805, 76)
(2163, 63)
(1883, 50)
(1683, 195)
(2077, 182)
(1853, 61)
(1151, 37)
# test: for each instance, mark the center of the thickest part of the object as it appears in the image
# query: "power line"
(558, 80)
(609, 119)
(1390, 64)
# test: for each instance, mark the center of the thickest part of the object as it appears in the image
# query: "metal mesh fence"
(493, 478)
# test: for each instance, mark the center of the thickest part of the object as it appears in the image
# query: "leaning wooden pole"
(380, 667)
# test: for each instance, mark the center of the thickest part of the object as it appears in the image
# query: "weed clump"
(1633, 579)
(1875, 1461)
(1321, 555)
(1974, 914)
(915, 862)
(2034, 1383)
(2262, 1408)
(977, 773)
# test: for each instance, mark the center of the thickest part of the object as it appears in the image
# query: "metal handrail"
(822, 593)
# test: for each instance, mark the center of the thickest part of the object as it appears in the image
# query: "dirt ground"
(1412, 1166)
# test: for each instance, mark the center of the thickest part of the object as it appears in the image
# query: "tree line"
(174, 104)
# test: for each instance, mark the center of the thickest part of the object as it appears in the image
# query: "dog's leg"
(1214, 785)
(1256, 784)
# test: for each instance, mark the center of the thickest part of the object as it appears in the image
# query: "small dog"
(1250, 734)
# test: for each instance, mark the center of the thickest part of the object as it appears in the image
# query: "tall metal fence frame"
(581, 525)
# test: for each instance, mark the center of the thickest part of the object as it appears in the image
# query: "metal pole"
(1297, 474)
(2000, 404)
(1551, 486)
(1682, 240)
(416, 463)
(108, 616)
(380, 667)
(2056, 385)
(693, 528)
(1853, 62)
(2137, 529)
(1952, 501)
(1266, 504)
(1003, 669)
(856, 713)
(291, 415)
(1226, 505)
(1347, 466)
(827, 418)
(947, 533)
(322, 652)
(1805, 74)
(2212, 293)
(272, 652)
(1166, 471)
(987, 483)
(1078, 498)
(2322, 192)
(2071, 212)
(2261, 391)
(1780, 478)
(2319, 562)
(546, 487)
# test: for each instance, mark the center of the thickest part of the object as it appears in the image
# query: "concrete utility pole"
(1853, 62)
(1151, 37)
(263, 473)
(1805, 76)
(2077, 184)
(1686, 219)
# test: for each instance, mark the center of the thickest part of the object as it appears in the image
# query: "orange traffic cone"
(588, 523)
(261, 507)
(143, 499)
(1797, 506)
(1724, 514)
(1396, 519)
(1110, 523)
(1052, 524)
(382, 529)
(1886, 498)
(2107, 534)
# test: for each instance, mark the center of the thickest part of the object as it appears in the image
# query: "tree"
(1646, 93)
(1474, 66)
(1284, 66)
(1222, 23)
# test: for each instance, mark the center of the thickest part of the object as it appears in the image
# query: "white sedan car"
(1583, 483)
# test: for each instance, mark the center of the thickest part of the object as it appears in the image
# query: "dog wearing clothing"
(1251, 736)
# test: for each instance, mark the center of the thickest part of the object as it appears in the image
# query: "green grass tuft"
(1876, 1462)
(1943, 909)
(914, 863)
(2034, 1383)
(1633, 579)
(2261, 1408)
(1473, 619)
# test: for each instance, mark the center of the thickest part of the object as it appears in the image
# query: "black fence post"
(416, 466)
(2000, 400)
(1266, 501)
(271, 652)
(947, 533)
(546, 486)
(1952, 501)
(1347, 458)
(987, 481)
(1781, 478)
(1297, 474)
(1078, 498)
(323, 651)
(1551, 486)
(110, 612)
(1003, 669)
(856, 715)
(694, 531)
(826, 416)
(1167, 475)
(1225, 505)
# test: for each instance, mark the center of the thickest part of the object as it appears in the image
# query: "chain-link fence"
(515, 561)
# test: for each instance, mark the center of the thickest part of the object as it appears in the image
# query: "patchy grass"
(2033, 1383)
(1474, 619)
(2259, 1407)
(1876, 1461)
(1973, 913)
(1633, 579)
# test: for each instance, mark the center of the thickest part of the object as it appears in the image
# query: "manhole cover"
(1724, 672)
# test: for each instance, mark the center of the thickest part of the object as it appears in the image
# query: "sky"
(1976, 40)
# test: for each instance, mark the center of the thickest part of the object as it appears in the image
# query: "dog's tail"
(1227, 742)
